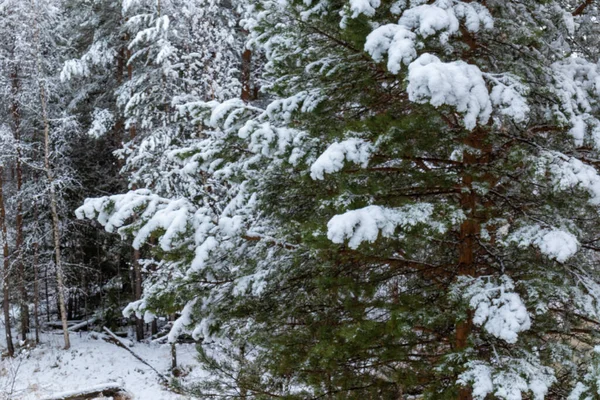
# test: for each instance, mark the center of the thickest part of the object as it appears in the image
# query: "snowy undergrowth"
(91, 361)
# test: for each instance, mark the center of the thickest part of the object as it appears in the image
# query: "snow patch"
(428, 19)
(332, 160)
(510, 380)
(569, 172)
(578, 391)
(102, 122)
(456, 84)
(395, 40)
(498, 309)
(366, 7)
(508, 97)
(557, 244)
(365, 224)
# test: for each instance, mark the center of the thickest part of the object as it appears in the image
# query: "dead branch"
(115, 339)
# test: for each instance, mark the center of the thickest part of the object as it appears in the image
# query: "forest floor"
(48, 370)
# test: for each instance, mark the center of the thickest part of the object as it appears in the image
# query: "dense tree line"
(333, 199)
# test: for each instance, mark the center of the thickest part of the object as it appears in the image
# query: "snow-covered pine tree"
(446, 167)
(30, 55)
(17, 92)
(417, 209)
(179, 52)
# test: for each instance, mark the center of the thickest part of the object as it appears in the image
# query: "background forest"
(332, 199)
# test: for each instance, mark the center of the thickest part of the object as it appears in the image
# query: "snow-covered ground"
(48, 369)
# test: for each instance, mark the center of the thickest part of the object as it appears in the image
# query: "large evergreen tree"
(414, 214)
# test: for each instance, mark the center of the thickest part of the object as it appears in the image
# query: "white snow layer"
(72, 393)
(364, 225)
(400, 40)
(578, 391)
(498, 309)
(332, 160)
(48, 371)
(366, 7)
(113, 212)
(177, 218)
(456, 84)
(395, 40)
(515, 377)
(507, 96)
(181, 323)
(569, 172)
(577, 85)
(429, 19)
(557, 244)
(103, 121)
(503, 317)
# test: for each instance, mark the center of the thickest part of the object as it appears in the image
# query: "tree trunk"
(60, 287)
(47, 293)
(36, 284)
(20, 267)
(173, 357)
(246, 72)
(55, 220)
(137, 272)
(70, 308)
(36, 293)
(5, 271)
(23, 300)
(469, 230)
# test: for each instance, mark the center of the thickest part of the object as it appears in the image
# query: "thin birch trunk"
(60, 287)
(55, 220)
(5, 272)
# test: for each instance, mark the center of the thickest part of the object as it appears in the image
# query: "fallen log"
(115, 339)
(81, 325)
(58, 324)
(105, 390)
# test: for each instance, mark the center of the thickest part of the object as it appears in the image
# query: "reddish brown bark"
(581, 9)
(246, 72)
(469, 230)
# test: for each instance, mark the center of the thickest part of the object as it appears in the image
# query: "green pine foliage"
(409, 211)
